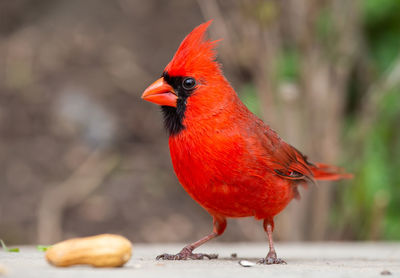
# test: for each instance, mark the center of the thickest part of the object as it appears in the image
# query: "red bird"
(226, 158)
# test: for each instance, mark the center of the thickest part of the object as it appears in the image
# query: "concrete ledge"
(304, 260)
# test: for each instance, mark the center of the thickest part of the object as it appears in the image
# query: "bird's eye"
(188, 83)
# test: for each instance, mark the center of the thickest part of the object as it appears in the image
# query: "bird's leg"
(187, 251)
(271, 256)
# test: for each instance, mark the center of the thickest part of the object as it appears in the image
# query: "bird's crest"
(195, 56)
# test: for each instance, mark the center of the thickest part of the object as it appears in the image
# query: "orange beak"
(161, 93)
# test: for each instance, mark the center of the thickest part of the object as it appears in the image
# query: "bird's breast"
(216, 171)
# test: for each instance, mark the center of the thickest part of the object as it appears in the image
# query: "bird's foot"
(186, 254)
(271, 259)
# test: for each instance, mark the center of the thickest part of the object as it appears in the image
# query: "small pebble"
(234, 255)
(245, 263)
(386, 272)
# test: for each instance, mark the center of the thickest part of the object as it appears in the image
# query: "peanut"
(104, 250)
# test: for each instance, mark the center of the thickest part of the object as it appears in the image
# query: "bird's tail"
(323, 171)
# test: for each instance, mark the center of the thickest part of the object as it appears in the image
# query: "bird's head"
(192, 83)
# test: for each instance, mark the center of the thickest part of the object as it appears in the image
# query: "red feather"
(195, 56)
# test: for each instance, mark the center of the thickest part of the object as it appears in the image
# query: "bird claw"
(271, 259)
(186, 254)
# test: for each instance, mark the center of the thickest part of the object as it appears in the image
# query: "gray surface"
(304, 260)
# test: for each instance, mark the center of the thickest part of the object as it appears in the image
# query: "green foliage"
(42, 248)
(376, 11)
(288, 65)
(372, 203)
(390, 134)
(382, 28)
(377, 186)
(374, 197)
(6, 249)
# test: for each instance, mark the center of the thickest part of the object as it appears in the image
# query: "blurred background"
(82, 154)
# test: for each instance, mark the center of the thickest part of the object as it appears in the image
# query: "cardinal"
(225, 157)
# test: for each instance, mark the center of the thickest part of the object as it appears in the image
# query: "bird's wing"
(285, 160)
